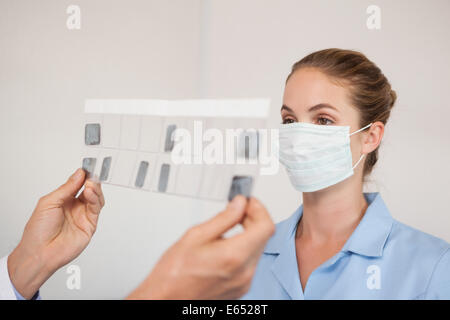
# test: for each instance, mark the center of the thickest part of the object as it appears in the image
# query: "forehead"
(308, 87)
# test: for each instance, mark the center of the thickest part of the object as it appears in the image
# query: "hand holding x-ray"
(201, 265)
(204, 265)
(59, 229)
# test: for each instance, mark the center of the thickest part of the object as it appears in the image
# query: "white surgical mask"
(316, 156)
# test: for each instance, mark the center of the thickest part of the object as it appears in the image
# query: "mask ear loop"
(363, 128)
(357, 162)
(362, 156)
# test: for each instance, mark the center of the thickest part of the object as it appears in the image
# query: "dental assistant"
(342, 243)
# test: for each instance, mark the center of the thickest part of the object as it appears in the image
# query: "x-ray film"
(205, 149)
(240, 185)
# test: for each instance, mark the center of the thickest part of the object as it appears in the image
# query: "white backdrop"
(204, 49)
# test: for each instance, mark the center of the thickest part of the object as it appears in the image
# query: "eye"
(324, 121)
(288, 120)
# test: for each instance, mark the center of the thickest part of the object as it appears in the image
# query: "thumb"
(71, 187)
(225, 220)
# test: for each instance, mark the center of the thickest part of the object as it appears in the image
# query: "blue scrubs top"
(382, 259)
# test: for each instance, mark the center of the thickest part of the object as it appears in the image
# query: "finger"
(258, 228)
(70, 188)
(92, 201)
(97, 188)
(257, 217)
(222, 222)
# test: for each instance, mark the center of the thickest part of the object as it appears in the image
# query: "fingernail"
(238, 203)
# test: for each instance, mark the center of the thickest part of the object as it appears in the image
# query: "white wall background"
(204, 48)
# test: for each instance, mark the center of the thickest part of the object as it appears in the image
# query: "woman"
(342, 243)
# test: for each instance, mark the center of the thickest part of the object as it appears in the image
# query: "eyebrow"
(313, 108)
(285, 107)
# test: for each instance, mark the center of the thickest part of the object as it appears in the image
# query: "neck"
(332, 213)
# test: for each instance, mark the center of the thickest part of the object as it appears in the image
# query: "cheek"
(356, 147)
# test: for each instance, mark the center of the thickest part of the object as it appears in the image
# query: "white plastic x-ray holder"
(129, 143)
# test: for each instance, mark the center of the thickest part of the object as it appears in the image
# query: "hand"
(204, 265)
(59, 229)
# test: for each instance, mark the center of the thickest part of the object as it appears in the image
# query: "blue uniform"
(382, 259)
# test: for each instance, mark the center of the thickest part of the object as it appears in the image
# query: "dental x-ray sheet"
(206, 149)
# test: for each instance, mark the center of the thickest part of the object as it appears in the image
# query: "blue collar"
(367, 239)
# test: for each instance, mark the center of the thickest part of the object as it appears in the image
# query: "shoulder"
(419, 242)
(423, 255)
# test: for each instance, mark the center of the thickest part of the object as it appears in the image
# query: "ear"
(372, 137)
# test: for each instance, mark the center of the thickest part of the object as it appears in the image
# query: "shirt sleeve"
(7, 290)
(439, 286)
(19, 296)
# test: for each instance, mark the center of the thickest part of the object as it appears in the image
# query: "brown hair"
(369, 89)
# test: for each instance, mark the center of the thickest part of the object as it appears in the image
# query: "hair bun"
(393, 96)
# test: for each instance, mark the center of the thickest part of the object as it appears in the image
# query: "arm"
(59, 229)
